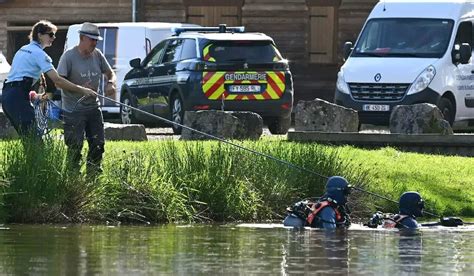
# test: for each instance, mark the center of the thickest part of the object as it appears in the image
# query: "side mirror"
(136, 63)
(461, 54)
(347, 49)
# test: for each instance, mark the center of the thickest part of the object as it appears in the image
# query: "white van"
(411, 51)
(123, 42)
(4, 70)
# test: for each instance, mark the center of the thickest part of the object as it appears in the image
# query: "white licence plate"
(376, 107)
(244, 88)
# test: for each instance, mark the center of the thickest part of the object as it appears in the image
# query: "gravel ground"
(167, 133)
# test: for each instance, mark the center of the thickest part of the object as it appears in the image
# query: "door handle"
(151, 71)
(170, 71)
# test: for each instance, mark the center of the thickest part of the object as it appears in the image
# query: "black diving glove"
(375, 221)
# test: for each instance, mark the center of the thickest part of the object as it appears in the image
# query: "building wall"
(289, 22)
(18, 16)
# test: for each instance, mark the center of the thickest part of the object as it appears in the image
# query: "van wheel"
(177, 113)
(126, 113)
(447, 108)
(278, 125)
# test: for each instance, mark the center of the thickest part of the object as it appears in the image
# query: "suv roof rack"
(221, 29)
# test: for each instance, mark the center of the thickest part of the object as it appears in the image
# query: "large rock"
(6, 129)
(321, 115)
(222, 124)
(130, 132)
(418, 119)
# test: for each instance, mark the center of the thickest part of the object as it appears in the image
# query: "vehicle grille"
(378, 91)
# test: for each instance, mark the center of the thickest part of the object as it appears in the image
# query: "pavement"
(164, 133)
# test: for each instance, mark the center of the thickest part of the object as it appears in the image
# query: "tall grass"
(37, 183)
(165, 181)
(445, 182)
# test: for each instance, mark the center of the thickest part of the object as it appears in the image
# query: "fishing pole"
(217, 138)
(252, 151)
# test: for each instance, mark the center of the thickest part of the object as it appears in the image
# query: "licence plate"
(244, 88)
(376, 107)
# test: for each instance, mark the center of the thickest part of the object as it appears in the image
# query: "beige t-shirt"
(84, 71)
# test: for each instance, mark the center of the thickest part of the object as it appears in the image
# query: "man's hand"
(110, 90)
(89, 92)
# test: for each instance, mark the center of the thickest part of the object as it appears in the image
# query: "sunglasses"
(51, 34)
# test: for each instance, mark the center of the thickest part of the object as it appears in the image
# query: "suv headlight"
(423, 80)
(342, 84)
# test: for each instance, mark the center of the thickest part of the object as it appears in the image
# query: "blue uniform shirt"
(30, 61)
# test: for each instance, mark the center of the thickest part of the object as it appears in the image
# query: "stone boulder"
(418, 119)
(222, 124)
(129, 132)
(321, 115)
(6, 129)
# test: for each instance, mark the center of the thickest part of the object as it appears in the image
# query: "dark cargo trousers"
(91, 123)
(17, 107)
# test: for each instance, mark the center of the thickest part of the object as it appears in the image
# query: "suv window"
(155, 55)
(189, 49)
(173, 51)
(244, 51)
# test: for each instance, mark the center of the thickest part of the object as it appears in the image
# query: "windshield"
(404, 37)
(242, 51)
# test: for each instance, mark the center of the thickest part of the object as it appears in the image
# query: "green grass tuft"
(195, 181)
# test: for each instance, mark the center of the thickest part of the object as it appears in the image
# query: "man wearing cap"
(84, 65)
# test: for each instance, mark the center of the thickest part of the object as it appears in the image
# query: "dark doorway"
(16, 39)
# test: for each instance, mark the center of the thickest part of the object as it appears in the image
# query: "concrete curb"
(457, 144)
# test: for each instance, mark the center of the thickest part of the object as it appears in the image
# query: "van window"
(404, 37)
(155, 55)
(189, 49)
(173, 51)
(464, 34)
(108, 46)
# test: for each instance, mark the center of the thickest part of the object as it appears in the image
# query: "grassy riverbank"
(445, 182)
(176, 181)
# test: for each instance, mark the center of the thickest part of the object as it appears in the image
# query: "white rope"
(46, 114)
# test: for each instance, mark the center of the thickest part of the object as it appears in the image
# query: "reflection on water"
(231, 249)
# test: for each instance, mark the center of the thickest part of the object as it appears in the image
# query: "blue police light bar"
(221, 29)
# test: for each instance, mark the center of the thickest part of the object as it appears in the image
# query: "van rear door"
(120, 45)
(108, 46)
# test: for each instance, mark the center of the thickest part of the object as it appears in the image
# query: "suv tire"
(126, 113)
(177, 112)
(278, 125)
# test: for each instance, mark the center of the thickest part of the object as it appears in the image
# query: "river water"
(245, 249)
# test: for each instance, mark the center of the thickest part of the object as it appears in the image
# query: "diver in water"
(410, 207)
(329, 212)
